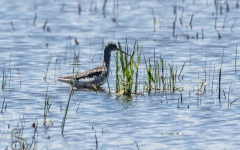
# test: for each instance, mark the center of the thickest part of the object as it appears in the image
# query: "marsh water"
(43, 40)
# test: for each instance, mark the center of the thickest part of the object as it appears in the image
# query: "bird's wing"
(89, 73)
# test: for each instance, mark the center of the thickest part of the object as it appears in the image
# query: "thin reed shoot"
(6, 75)
(66, 110)
(47, 67)
(46, 103)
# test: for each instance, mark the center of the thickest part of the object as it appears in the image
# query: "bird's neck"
(106, 60)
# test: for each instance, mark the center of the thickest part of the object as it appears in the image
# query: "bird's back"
(96, 76)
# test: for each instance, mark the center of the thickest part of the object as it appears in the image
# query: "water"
(155, 121)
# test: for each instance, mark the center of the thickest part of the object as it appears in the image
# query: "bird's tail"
(65, 80)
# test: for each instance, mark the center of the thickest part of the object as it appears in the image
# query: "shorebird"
(93, 77)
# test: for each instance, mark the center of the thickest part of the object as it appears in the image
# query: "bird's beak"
(123, 52)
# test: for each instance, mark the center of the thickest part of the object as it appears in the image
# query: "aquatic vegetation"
(20, 82)
(6, 76)
(3, 106)
(47, 106)
(126, 66)
(66, 110)
(158, 79)
(4, 80)
(48, 64)
(202, 88)
(154, 20)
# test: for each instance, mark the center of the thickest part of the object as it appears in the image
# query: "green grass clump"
(160, 75)
(126, 66)
(159, 78)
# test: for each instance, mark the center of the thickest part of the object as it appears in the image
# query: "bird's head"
(111, 46)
